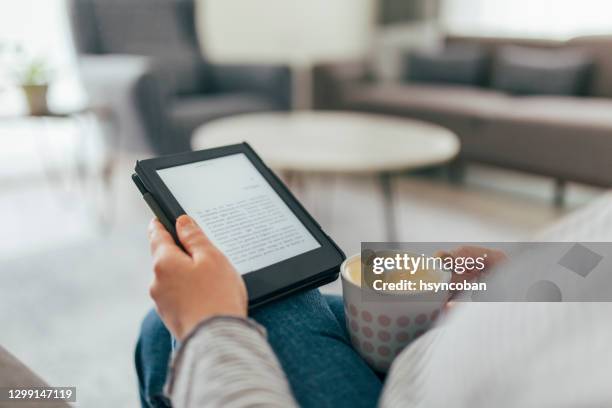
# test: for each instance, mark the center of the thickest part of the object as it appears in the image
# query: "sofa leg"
(559, 193)
(456, 171)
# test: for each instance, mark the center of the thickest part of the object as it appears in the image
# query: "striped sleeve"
(404, 386)
(227, 362)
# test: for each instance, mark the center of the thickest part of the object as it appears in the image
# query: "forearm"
(228, 362)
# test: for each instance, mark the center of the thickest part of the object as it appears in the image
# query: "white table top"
(341, 142)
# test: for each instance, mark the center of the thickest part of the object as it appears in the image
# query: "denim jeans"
(308, 335)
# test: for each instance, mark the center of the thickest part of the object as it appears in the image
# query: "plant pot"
(36, 95)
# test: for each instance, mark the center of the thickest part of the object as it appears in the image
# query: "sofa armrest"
(274, 81)
(15, 374)
(129, 86)
(329, 80)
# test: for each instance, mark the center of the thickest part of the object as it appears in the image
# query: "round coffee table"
(336, 142)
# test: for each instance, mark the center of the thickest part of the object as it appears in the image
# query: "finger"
(443, 254)
(195, 242)
(468, 251)
(491, 256)
(472, 251)
(158, 235)
(162, 244)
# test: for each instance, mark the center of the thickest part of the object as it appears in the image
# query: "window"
(41, 29)
(555, 19)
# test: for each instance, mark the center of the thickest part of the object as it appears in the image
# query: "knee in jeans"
(152, 324)
(151, 357)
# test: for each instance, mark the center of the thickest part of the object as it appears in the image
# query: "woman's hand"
(190, 287)
(492, 257)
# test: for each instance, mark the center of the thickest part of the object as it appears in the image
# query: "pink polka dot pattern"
(367, 316)
(421, 319)
(367, 347)
(354, 325)
(384, 351)
(402, 336)
(384, 335)
(352, 310)
(403, 321)
(418, 333)
(398, 351)
(434, 315)
(367, 332)
(384, 320)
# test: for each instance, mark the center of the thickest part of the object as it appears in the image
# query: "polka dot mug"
(380, 326)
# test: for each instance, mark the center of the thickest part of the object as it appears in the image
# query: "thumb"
(195, 242)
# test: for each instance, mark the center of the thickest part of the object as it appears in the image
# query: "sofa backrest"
(598, 47)
(162, 29)
(144, 27)
(491, 43)
(84, 28)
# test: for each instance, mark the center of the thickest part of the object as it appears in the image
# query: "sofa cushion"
(564, 137)
(559, 111)
(598, 47)
(403, 99)
(532, 71)
(457, 108)
(458, 64)
(183, 73)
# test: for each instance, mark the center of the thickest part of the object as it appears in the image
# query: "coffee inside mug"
(352, 271)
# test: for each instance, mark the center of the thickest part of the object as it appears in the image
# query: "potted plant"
(34, 77)
(31, 74)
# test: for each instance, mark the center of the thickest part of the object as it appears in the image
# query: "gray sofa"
(142, 58)
(566, 137)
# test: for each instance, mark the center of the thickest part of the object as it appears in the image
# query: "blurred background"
(87, 87)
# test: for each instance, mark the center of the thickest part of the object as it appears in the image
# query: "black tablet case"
(168, 223)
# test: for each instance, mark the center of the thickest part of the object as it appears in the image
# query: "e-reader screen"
(239, 211)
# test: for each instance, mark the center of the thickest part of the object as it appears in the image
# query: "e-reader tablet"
(247, 212)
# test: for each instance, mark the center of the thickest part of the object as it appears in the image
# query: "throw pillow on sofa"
(533, 71)
(457, 64)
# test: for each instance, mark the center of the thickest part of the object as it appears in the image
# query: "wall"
(282, 31)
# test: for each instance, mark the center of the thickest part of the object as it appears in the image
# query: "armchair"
(142, 58)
